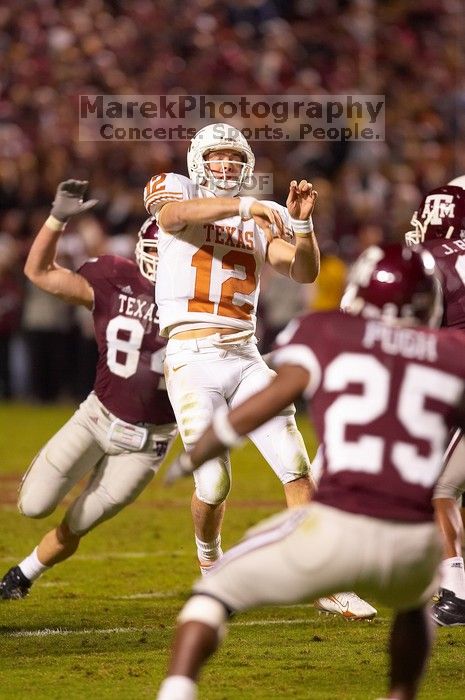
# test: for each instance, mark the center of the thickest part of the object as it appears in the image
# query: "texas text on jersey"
(379, 455)
(129, 380)
(208, 269)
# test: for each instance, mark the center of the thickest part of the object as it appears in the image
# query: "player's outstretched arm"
(175, 216)
(41, 267)
(228, 428)
(302, 261)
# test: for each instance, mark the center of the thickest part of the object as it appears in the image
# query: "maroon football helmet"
(441, 214)
(146, 249)
(395, 283)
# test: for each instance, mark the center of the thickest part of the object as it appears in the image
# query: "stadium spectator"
(53, 52)
(11, 294)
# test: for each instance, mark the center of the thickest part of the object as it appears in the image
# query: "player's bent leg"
(117, 482)
(196, 391)
(64, 460)
(56, 546)
(68, 455)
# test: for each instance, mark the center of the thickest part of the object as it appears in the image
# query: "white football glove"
(182, 466)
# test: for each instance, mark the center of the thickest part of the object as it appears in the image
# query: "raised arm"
(302, 261)
(227, 428)
(41, 266)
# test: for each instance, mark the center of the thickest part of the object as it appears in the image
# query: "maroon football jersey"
(382, 401)
(450, 259)
(129, 378)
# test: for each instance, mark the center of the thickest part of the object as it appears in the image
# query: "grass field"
(100, 624)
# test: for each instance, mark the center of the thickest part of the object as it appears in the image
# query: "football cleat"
(14, 585)
(348, 605)
(449, 611)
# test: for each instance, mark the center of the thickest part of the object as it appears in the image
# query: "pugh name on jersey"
(411, 344)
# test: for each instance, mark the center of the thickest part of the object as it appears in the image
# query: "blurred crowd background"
(50, 52)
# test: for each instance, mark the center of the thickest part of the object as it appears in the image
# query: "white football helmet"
(147, 244)
(219, 137)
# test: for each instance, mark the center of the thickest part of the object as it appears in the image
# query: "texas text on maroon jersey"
(450, 259)
(382, 402)
(130, 363)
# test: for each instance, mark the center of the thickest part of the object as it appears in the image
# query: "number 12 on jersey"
(213, 290)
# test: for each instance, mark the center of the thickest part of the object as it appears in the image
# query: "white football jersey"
(208, 274)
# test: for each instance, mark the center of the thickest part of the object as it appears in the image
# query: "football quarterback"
(212, 247)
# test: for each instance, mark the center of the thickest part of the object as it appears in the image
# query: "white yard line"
(144, 596)
(128, 630)
(121, 555)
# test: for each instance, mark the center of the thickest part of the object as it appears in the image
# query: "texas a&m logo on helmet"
(441, 215)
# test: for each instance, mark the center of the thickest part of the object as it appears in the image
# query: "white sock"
(209, 551)
(31, 567)
(177, 688)
(453, 576)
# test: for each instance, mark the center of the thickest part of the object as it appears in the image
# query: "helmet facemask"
(220, 137)
(222, 183)
(441, 214)
(417, 235)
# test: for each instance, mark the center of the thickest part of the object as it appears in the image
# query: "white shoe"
(349, 605)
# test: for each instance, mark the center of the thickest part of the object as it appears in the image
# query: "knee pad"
(34, 493)
(203, 608)
(213, 481)
(29, 506)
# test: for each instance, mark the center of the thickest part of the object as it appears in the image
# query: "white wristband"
(55, 224)
(223, 429)
(244, 207)
(302, 228)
